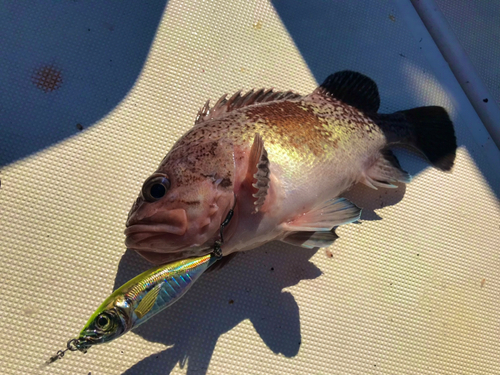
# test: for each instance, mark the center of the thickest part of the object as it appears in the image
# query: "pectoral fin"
(258, 171)
(324, 217)
(148, 301)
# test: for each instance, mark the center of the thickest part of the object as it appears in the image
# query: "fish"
(282, 160)
(139, 300)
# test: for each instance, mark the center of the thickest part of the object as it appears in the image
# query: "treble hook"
(72, 346)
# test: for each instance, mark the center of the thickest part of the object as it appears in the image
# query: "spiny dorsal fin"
(238, 100)
(258, 171)
(147, 301)
(352, 88)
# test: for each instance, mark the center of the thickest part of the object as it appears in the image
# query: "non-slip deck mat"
(476, 24)
(93, 96)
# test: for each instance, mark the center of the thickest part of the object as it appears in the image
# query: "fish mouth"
(157, 238)
(151, 240)
(155, 228)
(165, 227)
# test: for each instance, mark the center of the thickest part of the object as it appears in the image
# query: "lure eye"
(155, 188)
(103, 322)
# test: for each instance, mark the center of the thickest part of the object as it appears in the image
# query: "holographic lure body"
(141, 298)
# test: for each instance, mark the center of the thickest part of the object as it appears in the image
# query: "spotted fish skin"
(282, 160)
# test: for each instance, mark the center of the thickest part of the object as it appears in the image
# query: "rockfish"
(280, 161)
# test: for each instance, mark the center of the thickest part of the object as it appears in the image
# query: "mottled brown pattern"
(199, 161)
(349, 116)
(292, 121)
(313, 126)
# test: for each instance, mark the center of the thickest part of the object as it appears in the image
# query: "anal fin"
(324, 217)
(311, 240)
(384, 172)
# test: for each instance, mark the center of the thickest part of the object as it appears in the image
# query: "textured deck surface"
(476, 24)
(93, 96)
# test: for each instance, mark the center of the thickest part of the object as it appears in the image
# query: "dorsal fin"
(352, 88)
(224, 105)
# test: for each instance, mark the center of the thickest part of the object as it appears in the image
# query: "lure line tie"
(217, 250)
(72, 346)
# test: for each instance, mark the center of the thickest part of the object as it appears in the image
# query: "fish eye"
(155, 188)
(103, 322)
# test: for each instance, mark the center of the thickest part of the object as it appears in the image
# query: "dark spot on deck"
(79, 127)
(47, 78)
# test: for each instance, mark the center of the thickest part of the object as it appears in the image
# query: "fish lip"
(137, 244)
(155, 228)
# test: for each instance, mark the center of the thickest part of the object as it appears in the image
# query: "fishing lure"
(141, 298)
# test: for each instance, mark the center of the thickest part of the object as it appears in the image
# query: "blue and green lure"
(143, 297)
(138, 300)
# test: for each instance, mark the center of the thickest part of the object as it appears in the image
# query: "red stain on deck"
(47, 78)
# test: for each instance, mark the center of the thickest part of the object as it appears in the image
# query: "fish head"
(104, 325)
(182, 205)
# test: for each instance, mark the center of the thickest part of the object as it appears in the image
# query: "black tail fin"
(433, 134)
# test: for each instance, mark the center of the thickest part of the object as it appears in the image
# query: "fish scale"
(283, 156)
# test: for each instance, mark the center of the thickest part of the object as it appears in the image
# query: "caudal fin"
(433, 134)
